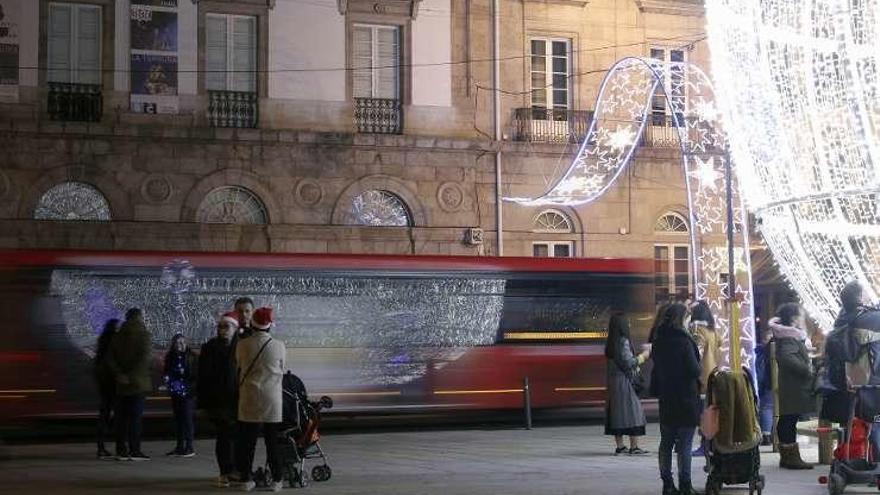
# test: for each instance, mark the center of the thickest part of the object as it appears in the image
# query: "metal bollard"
(527, 403)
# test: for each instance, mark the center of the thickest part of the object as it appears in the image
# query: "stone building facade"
(349, 126)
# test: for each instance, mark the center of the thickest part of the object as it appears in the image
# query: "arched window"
(671, 223)
(73, 201)
(672, 275)
(552, 221)
(232, 204)
(380, 209)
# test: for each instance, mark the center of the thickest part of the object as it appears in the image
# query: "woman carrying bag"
(623, 410)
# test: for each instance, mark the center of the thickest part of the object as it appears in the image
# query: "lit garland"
(801, 104)
(621, 115)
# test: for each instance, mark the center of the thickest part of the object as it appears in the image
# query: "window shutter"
(244, 53)
(362, 60)
(59, 43)
(88, 43)
(387, 63)
(215, 52)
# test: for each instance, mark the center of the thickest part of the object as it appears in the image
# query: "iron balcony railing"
(233, 108)
(378, 115)
(550, 125)
(75, 102)
(662, 131)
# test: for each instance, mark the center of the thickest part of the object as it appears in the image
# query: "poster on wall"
(154, 56)
(9, 50)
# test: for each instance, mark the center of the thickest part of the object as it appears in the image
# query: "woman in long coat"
(623, 410)
(795, 381)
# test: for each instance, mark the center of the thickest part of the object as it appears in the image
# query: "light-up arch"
(623, 110)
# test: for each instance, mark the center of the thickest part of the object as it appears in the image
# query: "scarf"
(781, 331)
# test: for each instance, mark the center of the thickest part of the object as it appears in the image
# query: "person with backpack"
(676, 384)
(180, 378)
(261, 361)
(623, 409)
(218, 392)
(795, 381)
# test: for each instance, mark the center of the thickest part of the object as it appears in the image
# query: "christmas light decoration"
(800, 99)
(624, 108)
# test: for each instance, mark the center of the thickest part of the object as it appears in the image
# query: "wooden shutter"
(387, 63)
(362, 62)
(244, 53)
(215, 52)
(88, 45)
(59, 42)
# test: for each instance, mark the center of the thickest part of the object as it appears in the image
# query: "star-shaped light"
(621, 138)
(706, 173)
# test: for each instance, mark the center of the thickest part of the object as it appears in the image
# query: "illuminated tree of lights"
(623, 110)
(800, 99)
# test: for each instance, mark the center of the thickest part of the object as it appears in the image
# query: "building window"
(376, 61)
(553, 249)
(231, 52)
(671, 223)
(232, 204)
(72, 201)
(674, 78)
(74, 43)
(672, 276)
(550, 81)
(380, 209)
(552, 221)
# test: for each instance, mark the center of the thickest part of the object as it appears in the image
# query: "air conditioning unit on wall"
(473, 236)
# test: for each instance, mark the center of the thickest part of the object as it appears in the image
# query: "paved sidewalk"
(546, 460)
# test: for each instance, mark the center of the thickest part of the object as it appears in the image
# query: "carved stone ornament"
(676, 7)
(156, 189)
(405, 8)
(450, 195)
(308, 193)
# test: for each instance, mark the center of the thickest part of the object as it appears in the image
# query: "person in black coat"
(676, 383)
(181, 372)
(106, 385)
(218, 392)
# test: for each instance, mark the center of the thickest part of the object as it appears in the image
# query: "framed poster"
(154, 57)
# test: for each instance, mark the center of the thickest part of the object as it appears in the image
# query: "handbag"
(709, 422)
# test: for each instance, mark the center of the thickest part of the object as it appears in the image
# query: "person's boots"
(686, 488)
(669, 488)
(790, 457)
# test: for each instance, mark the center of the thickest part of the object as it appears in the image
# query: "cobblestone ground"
(546, 460)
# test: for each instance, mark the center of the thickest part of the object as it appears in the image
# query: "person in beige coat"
(261, 367)
(702, 329)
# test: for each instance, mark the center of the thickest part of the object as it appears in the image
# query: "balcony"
(661, 131)
(233, 109)
(549, 125)
(378, 115)
(74, 102)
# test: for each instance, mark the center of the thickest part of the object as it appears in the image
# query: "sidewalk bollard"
(527, 403)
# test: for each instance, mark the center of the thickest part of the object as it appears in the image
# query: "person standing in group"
(261, 361)
(795, 381)
(676, 383)
(658, 319)
(181, 370)
(765, 385)
(702, 329)
(218, 392)
(623, 409)
(129, 361)
(106, 384)
(244, 306)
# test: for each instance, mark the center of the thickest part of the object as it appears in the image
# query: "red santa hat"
(262, 319)
(230, 317)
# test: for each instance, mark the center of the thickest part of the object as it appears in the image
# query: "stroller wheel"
(836, 484)
(321, 473)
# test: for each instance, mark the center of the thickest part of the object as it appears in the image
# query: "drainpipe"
(496, 84)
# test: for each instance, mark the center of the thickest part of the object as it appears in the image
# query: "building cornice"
(674, 7)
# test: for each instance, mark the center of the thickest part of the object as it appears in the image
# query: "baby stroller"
(854, 462)
(734, 462)
(299, 437)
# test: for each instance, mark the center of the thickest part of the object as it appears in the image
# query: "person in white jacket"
(261, 367)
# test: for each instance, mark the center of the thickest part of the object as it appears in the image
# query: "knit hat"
(230, 317)
(262, 319)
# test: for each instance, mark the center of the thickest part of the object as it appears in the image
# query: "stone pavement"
(545, 460)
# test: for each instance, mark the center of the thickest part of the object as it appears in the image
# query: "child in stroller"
(854, 460)
(299, 437)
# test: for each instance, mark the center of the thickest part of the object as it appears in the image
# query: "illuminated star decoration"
(622, 138)
(706, 174)
(799, 95)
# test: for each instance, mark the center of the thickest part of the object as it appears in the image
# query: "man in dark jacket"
(129, 360)
(217, 392)
(676, 383)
